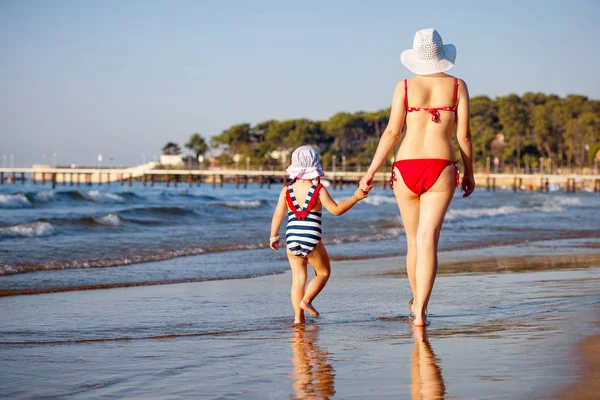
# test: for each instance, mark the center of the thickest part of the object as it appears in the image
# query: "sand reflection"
(425, 373)
(313, 374)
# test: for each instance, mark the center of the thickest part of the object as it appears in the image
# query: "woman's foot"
(419, 319)
(412, 313)
(308, 307)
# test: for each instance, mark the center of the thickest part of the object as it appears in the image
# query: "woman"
(425, 174)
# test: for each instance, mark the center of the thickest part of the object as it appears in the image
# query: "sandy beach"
(497, 331)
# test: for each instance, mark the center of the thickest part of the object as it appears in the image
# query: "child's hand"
(274, 243)
(361, 194)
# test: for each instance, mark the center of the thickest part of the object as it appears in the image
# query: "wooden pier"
(242, 178)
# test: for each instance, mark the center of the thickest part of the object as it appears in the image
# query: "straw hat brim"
(415, 64)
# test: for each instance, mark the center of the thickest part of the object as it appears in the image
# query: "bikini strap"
(455, 91)
(406, 94)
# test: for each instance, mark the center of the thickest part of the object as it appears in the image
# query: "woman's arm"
(463, 135)
(278, 216)
(338, 209)
(389, 138)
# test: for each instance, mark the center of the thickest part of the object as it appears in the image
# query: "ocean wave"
(110, 219)
(11, 269)
(34, 229)
(243, 204)
(383, 234)
(18, 200)
(567, 201)
(474, 213)
(44, 197)
(186, 194)
(547, 205)
(159, 211)
(377, 200)
(103, 197)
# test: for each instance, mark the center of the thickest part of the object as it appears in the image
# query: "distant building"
(169, 160)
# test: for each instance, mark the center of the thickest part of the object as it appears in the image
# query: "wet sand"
(587, 387)
(499, 329)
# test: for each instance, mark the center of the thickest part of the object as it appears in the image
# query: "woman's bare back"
(423, 137)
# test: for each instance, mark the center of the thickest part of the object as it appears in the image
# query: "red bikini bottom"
(420, 174)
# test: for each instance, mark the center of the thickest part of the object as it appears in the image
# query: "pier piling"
(54, 180)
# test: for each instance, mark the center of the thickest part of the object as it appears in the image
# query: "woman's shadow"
(313, 373)
(425, 373)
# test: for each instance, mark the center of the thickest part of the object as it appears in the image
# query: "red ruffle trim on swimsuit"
(301, 214)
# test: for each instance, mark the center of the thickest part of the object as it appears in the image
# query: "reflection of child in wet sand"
(303, 233)
(314, 376)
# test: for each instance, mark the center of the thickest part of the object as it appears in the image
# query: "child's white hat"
(305, 164)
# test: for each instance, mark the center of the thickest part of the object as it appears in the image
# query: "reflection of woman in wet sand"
(314, 376)
(426, 375)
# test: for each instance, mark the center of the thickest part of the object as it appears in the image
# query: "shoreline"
(209, 338)
(528, 257)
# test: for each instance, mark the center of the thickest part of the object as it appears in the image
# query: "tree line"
(517, 130)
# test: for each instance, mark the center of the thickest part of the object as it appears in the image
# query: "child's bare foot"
(308, 307)
(299, 319)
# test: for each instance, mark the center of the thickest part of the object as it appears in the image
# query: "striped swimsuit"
(303, 231)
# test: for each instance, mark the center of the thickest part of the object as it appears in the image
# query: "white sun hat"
(429, 54)
(305, 164)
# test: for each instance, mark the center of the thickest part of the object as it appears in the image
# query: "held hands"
(366, 183)
(468, 184)
(360, 194)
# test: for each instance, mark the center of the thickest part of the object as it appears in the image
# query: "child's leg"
(298, 266)
(319, 259)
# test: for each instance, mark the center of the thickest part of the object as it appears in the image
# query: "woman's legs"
(408, 203)
(319, 259)
(298, 266)
(434, 204)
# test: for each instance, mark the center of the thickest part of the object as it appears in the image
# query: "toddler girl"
(303, 234)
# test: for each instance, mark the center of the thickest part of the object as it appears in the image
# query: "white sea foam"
(27, 230)
(243, 204)
(377, 200)
(100, 197)
(110, 219)
(45, 196)
(481, 212)
(14, 201)
(566, 201)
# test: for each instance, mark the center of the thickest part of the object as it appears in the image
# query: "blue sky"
(83, 77)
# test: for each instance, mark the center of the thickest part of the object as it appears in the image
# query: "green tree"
(197, 144)
(171, 148)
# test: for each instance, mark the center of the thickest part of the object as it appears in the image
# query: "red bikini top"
(434, 111)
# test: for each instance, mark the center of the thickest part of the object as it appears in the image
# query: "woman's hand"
(366, 183)
(468, 184)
